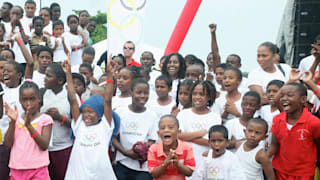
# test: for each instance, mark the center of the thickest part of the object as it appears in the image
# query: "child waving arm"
(109, 90)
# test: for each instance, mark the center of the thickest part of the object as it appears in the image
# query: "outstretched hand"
(213, 27)
(294, 75)
(66, 65)
(111, 65)
(307, 76)
(12, 113)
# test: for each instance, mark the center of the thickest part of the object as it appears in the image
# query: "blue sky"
(242, 25)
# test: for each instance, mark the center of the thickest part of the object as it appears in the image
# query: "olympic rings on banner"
(130, 8)
(138, 38)
(117, 25)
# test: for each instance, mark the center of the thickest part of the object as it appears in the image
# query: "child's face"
(78, 86)
(119, 63)
(84, 18)
(184, 96)
(85, 71)
(140, 95)
(265, 57)
(56, 11)
(10, 76)
(7, 55)
(87, 58)
(89, 116)
(38, 26)
(291, 99)
(2, 63)
(46, 16)
(200, 97)
(210, 60)
(233, 61)
(73, 24)
(15, 14)
(193, 73)
(29, 100)
(219, 75)
(173, 66)
(168, 131)
(91, 26)
(272, 91)
(255, 132)
(124, 80)
(44, 59)
(218, 144)
(146, 59)
(50, 80)
(230, 80)
(30, 10)
(249, 106)
(58, 30)
(162, 88)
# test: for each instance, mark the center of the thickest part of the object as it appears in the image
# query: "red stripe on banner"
(181, 29)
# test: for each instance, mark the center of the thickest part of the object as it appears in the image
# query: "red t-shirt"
(297, 152)
(133, 62)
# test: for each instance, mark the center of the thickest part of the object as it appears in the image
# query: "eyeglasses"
(125, 47)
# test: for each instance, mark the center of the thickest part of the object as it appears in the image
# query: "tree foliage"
(100, 32)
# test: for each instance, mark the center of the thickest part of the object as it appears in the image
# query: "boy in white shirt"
(220, 163)
(60, 46)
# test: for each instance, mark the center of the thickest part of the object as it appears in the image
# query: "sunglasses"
(125, 47)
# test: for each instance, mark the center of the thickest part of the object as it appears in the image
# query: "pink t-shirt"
(25, 153)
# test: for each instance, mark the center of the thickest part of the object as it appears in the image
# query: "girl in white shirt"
(195, 122)
(92, 126)
(184, 97)
(138, 124)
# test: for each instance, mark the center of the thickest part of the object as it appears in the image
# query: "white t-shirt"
(173, 92)
(306, 63)
(243, 86)
(26, 23)
(153, 76)
(219, 105)
(61, 136)
(235, 129)
(192, 122)
(97, 71)
(159, 109)
(118, 102)
(48, 28)
(226, 167)
(266, 114)
(252, 169)
(261, 78)
(38, 78)
(74, 40)
(89, 158)
(135, 127)
(11, 96)
(58, 54)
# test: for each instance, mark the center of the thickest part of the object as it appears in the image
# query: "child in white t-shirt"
(250, 104)
(184, 97)
(138, 124)
(92, 126)
(252, 156)
(219, 163)
(195, 121)
(164, 103)
(61, 47)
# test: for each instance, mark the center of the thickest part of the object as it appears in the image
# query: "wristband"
(76, 48)
(21, 30)
(106, 82)
(193, 140)
(316, 92)
(163, 165)
(109, 81)
(63, 119)
(34, 134)
(19, 42)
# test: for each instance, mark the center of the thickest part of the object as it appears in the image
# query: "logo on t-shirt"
(213, 172)
(303, 133)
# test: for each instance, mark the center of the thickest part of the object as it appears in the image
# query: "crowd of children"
(63, 117)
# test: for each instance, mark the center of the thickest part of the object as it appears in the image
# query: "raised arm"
(72, 94)
(108, 91)
(214, 44)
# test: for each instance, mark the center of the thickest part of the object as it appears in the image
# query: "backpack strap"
(281, 69)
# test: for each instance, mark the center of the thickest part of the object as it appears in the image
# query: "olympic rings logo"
(124, 25)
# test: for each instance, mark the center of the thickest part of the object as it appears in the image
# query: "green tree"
(100, 32)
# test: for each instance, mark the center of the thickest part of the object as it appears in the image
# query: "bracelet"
(316, 92)
(76, 48)
(106, 82)
(21, 30)
(193, 140)
(63, 119)
(34, 134)
(109, 81)
(20, 41)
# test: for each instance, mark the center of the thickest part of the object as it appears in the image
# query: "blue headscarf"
(95, 102)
